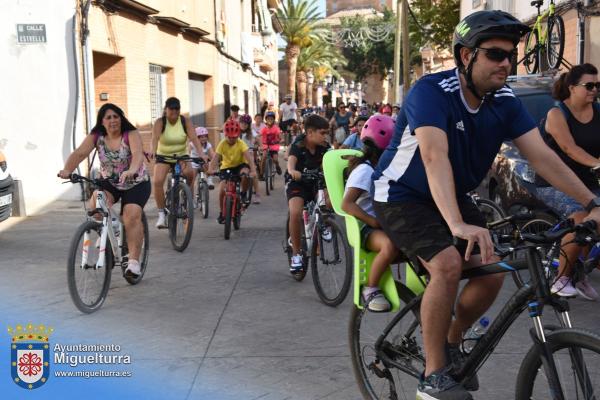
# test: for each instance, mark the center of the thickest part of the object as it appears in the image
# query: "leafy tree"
(299, 22)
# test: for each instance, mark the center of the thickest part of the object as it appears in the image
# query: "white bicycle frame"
(107, 233)
(313, 218)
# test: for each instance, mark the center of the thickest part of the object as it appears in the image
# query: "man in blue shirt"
(448, 132)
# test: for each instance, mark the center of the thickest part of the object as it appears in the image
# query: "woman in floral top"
(121, 159)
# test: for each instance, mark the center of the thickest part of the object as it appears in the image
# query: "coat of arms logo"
(30, 355)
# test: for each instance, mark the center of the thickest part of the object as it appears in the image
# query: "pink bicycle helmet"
(201, 131)
(379, 129)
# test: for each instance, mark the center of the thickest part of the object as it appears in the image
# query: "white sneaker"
(162, 220)
(586, 290)
(296, 264)
(563, 287)
(133, 268)
(210, 182)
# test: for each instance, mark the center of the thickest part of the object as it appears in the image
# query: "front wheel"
(532, 53)
(555, 45)
(181, 221)
(237, 218)
(331, 262)
(267, 174)
(89, 284)
(202, 198)
(576, 355)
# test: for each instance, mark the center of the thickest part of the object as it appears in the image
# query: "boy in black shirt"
(305, 153)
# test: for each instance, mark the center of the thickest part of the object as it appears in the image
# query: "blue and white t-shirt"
(474, 137)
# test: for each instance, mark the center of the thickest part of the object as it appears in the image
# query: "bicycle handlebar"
(76, 178)
(585, 233)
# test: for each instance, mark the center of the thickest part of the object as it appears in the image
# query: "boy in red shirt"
(270, 136)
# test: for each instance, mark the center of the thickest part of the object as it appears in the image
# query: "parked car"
(510, 182)
(6, 189)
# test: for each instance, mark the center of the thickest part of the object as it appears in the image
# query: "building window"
(158, 90)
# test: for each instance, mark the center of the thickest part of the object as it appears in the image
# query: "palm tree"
(298, 19)
(319, 58)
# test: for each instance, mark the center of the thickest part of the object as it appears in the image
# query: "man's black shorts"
(307, 191)
(419, 230)
(235, 170)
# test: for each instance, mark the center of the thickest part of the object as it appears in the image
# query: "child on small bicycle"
(250, 138)
(270, 137)
(232, 154)
(207, 150)
(375, 136)
(305, 153)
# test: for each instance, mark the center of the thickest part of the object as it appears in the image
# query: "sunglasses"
(499, 55)
(589, 86)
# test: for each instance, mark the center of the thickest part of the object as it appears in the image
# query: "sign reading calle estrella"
(31, 33)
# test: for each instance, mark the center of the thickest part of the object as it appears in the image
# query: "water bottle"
(115, 226)
(474, 334)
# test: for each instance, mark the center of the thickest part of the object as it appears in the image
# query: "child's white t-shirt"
(360, 178)
(194, 153)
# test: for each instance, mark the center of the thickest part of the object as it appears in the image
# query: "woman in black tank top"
(574, 129)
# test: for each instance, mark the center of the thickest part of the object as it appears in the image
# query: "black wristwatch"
(595, 202)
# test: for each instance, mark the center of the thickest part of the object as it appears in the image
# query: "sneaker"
(162, 221)
(441, 386)
(456, 359)
(278, 169)
(374, 299)
(296, 264)
(326, 234)
(586, 290)
(133, 268)
(256, 198)
(563, 287)
(211, 184)
(221, 219)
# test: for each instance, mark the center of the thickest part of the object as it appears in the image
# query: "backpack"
(164, 123)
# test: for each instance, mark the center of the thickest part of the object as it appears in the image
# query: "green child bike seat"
(334, 164)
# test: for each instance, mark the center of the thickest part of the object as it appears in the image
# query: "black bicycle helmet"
(478, 27)
(483, 25)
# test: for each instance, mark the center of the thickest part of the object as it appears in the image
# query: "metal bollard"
(18, 200)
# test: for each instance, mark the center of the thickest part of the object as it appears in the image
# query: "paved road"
(224, 319)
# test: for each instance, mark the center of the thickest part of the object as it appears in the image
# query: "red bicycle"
(233, 204)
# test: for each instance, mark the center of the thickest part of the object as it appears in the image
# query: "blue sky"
(321, 4)
(280, 42)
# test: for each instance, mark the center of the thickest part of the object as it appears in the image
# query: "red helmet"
(232, 129)
(379, 129)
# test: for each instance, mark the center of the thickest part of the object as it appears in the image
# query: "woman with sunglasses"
(573, 129)
(340, 122)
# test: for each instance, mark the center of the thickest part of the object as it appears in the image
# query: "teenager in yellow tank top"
(172, 140)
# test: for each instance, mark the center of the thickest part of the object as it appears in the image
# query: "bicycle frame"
(314, 214)
(232, 189)
(106, 233)
(533, 297)
(543, 33)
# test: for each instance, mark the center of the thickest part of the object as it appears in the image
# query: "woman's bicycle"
(387, 349)
(324, 246)
(179, 203)
(233, 204)
(549, 40)
(96, 247)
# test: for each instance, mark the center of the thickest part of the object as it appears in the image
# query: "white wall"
(521, 9)
(38, 100)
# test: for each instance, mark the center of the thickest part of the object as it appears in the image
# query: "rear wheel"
(144, 252)
(237, 218)
(88, 284)
(331, 263)
(576, 354)
(202, 196)
(532, 54)
(397, 363)
(555, 45)
(181, 218)
(228, 211)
